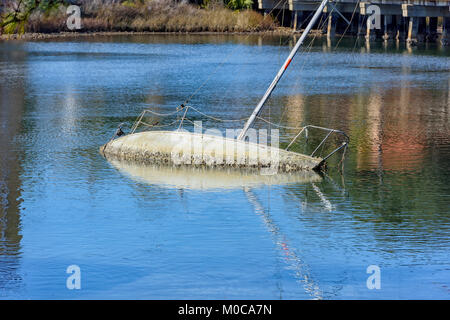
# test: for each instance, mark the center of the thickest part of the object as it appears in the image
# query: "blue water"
(63, 204)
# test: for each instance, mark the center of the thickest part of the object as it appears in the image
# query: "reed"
(151, 16)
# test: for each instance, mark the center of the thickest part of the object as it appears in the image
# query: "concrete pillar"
(297, 20)
(422, 29)
(445, 37)
(400, 23)
(354, 26)
(365, 22)
(385, 45)
(409, 47)
(294, 20)
(367, 46)
(416, 29)
(413, 30)
(370, 33)
(332, 22)
(324, 23)
(362, 25)
(301, 19)
(432, 29)
(388, 29)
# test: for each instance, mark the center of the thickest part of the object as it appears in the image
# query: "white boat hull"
(193, 149)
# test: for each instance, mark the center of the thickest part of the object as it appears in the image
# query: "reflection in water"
(203, 178)
(12, 95)
(290, 256)
(326, 203)
(389, 128)
(207, 179)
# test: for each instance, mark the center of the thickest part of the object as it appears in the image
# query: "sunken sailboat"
(180, 147)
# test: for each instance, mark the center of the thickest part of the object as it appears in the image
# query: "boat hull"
(193, 149)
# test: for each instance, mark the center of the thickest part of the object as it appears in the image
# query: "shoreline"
(65, 34)
(279, 31)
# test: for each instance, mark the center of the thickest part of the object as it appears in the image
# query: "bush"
(155, 16)
(239, 4)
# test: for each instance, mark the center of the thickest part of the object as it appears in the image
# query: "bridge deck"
(410, 20)
(427, 8)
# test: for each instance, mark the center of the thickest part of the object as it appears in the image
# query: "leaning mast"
(280, 73)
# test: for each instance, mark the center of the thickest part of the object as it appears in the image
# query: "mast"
(280, 73)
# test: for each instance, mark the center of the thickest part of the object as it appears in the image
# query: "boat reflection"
(291, 257)
(247, 180)
(202, 178)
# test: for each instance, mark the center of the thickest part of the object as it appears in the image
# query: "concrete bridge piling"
(412, 21)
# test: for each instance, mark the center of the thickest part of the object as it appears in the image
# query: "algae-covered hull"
(193, 149)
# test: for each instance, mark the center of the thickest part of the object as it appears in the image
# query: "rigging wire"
(182, 106)
(139, 119)
(228, 89)
(309, 47)
(226, 59)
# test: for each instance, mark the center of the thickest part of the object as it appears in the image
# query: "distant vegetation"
(49, 16)
(232, 4)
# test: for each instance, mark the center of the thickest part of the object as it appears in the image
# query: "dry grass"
(153, 16)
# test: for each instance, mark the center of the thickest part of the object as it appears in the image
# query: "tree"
(239, 4)
(232, 4)
(14, 14)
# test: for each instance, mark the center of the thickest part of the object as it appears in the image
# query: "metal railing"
(184, 110)
(344, 144)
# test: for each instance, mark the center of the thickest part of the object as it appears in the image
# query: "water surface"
(62, 203)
